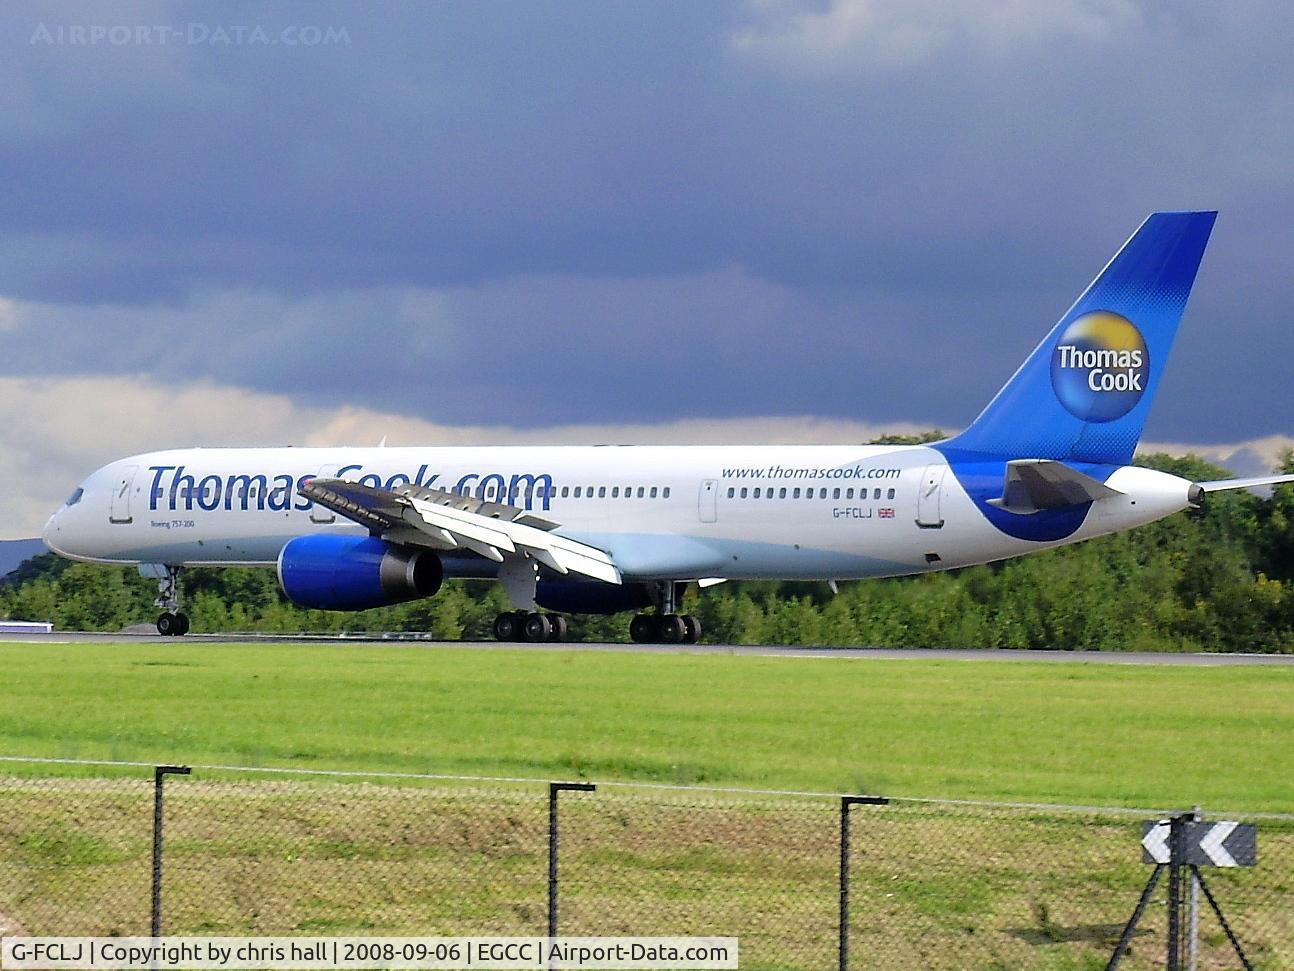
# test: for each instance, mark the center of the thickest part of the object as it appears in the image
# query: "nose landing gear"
(172, 623)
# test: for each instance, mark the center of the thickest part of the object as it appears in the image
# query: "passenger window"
(641, 492)
(653, 492)
(615, 492)
(743, 492)
(835, 493)
(876, 494)
(757, 492)
(782, 493)
(602, 492)
(849, 493)
(665, 492)
(795, 494)
(566, 491)
(889, 494)
(731, 492)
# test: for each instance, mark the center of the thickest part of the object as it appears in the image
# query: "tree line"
(1220, 581)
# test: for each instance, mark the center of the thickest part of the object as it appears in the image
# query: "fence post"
(160, 772)
(1176, 861)
(1193, 910)
(847, 803)
(553, 789)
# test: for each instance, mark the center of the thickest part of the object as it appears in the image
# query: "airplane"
(610, 529)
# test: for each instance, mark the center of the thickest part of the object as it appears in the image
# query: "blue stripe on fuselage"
(982, 477)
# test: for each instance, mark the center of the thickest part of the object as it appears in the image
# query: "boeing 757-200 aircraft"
(613, 528)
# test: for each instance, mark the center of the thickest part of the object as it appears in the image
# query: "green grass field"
(1086, 733)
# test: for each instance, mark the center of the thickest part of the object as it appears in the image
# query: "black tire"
(538, 628)
(672, 629)
(561, 627)
(642, 629)
(693, 630)
(181, 624)
(507, 627)
(167, 625)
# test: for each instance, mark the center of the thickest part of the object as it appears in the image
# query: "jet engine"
(355, 572)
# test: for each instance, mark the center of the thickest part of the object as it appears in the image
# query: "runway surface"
(815, 653)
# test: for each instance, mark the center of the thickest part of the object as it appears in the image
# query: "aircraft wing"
(443, 520)
(1031, 485)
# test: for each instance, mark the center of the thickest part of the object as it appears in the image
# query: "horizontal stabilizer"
(1220, 485)
(1031, 485)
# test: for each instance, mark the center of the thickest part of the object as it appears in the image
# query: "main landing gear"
(531, 626)
(666, 626)
(665, 629)
(172, 623)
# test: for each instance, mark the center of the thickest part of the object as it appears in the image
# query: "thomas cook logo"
(1100, 366)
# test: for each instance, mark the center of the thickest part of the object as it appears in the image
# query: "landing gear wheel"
(538, 628)
(672, 629)
(561, 627)
(507, 627)
(642, 629)
(692, 628)
(172, 623)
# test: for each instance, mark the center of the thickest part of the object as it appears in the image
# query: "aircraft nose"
(49, 535)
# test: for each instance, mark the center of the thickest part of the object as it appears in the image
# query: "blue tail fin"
(1083, 394)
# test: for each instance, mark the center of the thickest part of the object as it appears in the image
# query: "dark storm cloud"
(541, 213)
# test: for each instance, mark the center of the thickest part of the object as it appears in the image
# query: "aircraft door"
(708, 501)
(119, 512)
(318, 514)
(929, 515)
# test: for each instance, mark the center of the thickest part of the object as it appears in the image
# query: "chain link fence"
(922, 884)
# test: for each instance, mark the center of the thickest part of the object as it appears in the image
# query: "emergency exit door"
(119, 512)
(708, 501)
(318, 513)
(929, 514)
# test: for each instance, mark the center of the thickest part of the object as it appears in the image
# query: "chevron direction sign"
(1207, 844)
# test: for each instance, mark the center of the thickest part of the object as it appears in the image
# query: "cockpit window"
(75, 497)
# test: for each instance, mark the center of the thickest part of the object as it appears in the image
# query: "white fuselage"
(661, 512)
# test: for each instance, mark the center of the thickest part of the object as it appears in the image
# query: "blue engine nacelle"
(355, 572)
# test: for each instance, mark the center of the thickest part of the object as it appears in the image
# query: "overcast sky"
(844, 214)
